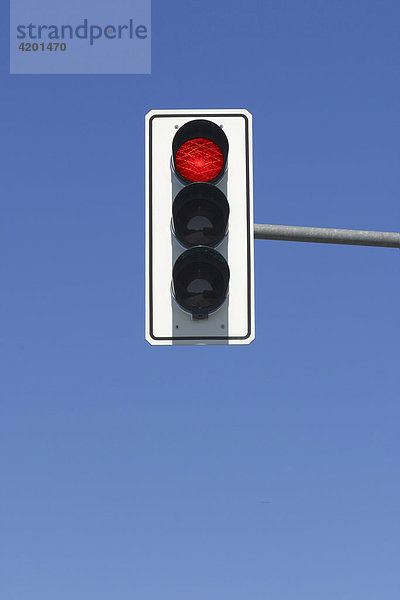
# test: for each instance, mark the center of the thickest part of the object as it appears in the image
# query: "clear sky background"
(205, 473)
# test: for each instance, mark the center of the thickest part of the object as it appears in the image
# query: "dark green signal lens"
(200, 281)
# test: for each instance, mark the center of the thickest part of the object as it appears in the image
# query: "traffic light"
(199, 227)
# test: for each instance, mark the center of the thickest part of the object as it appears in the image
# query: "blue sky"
(267, 471)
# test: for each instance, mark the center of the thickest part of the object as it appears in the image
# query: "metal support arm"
(323, 235)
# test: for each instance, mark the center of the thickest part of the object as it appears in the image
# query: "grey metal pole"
(324, 235)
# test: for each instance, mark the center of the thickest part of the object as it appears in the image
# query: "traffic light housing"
(199, 227)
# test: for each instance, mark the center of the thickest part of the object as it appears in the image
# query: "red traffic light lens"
(199, 160)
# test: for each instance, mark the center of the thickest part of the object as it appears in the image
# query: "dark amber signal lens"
(200, 215)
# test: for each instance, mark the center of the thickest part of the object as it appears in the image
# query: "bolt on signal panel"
(199, 227)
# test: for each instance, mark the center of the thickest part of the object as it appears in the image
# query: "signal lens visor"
(200, 151)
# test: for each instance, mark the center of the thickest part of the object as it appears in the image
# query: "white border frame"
(237, 125)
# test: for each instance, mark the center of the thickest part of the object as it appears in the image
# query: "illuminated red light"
(199, 160)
